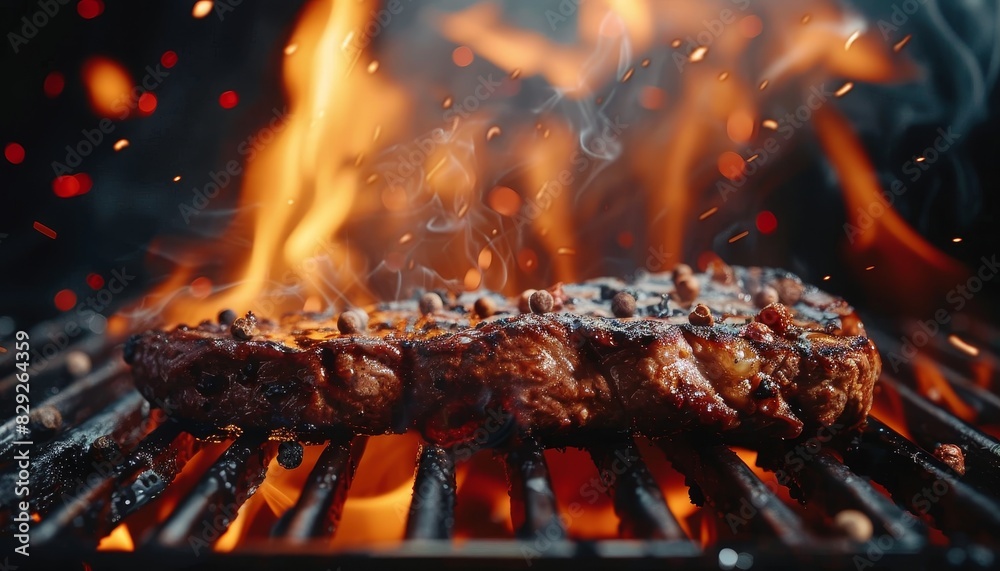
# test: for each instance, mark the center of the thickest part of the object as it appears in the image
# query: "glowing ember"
(67, 186)
(739, 236)
(168, 59)
(228, 99)
(844, 89)
(963, 346)
(90, 9)
(54, 84)
(698, 54)
(120, 144)
(95, 281)
(108, 85)
(65, 300)
(462, 56)
(201, 287)
(766, 222)
(45, 230)
(202, 8)
(850, 41)
(902, 43)
(740, 126)
(147, 103)
(14, 153)
(731, 165)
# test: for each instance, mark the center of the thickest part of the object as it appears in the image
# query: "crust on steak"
(559, 376)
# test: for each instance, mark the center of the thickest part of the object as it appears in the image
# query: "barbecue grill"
(451, 190)
(828, 500)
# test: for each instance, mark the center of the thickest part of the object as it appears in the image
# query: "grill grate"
(922, 513)
(317, 512)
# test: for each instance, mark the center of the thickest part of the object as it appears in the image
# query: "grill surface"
(922, 513)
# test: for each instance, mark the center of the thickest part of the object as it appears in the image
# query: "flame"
(118, 540)
(372, 184)
(936, 388)
(302, 186)
(903, 256)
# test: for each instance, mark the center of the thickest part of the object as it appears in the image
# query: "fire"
(118, 540)
(504, 165)
(374, 185)
(936, 388)
(903, 255)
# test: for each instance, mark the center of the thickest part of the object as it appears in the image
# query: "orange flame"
(936, 388)
(323, 214)
(118, 540)
(903, 256)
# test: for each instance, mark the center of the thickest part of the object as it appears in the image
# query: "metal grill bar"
(317, 512)
(211, 507)
(164, 451)
(736, 493)
(932, 425)
(53, 373)
(986, 403)
(62, 463)
(533, 507)
(821, 479)
(432, 511)
(638, 500)
(77, 401)
(923, 484)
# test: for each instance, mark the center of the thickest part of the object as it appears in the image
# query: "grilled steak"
(695, 354)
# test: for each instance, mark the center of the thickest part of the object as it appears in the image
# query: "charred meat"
(559, 372)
